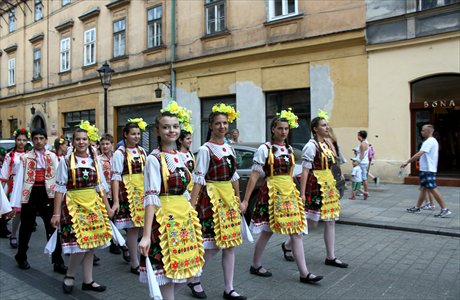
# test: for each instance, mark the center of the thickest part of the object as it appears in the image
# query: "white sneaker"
(428, 207)
(444, 213)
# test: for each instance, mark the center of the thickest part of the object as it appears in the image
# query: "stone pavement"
(384, 264)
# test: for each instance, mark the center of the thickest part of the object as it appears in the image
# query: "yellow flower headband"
(140, 122)
(21, 131)
(93, 132)
(182, 114)
(62, 139)
(292, 119)
(228, 110)
(323, 115)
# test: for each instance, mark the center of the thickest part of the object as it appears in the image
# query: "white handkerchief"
(154, 288)
(51, 245)
(116, 235)
(245, 233)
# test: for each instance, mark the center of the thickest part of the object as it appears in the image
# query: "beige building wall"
(389, 94)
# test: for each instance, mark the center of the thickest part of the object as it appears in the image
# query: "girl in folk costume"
(128, 187)
(279, 207)
(172, 232)
(216, 195)
(83, 215)
(183, 144)
(61, 145)
(318, 186)
(8, 176)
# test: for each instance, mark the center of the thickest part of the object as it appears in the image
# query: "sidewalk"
(386, 208)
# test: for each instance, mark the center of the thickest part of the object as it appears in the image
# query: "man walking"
(37, 173)
(428, 156)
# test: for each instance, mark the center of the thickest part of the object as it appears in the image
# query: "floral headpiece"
(2, 151)
(140, 122)
(292, 119)
(20, 131)
(182, 114)
(323, 115)
(62, 139)
(228, 110)
(93, 132)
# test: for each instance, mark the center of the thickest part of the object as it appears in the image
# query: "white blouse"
(261, 155)
(5, 171)
(203, 158)
(152, 175)
(62, 174)
(119, 158)
(308, 154)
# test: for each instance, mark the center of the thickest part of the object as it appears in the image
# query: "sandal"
(67, 288)
(308, 279)
(199, 295)
(285, 251)
(256, 271)
(13, 242)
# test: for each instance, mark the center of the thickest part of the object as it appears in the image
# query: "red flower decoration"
(186, 263)
(176, 160)
(174, 251)
(282, 149)
(83, 161)
(223, 149)
(134, 152)
(95, 237)
(85, 238)
(175, 265)
(197, 259)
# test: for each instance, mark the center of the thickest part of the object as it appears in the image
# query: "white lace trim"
(72, 248)
(152, 200)
(257, 228)
(124, 223)
(258, 168)
(218, 150)
(116, 177)
(307, 164)
(170, 161)
(60, 188)
(161, 278)
(199, 179)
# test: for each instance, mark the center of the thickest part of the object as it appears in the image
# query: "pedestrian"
(317, 186)
(61, 145)
(183, 144)
(36, 180)
(428, 160)
(279, 207)
(106, 145)
(80, 179)
(235, 138)
(171, 223)
(363, 159)
(128, 188)
(8, 177)
(216, 193)
(356, 178)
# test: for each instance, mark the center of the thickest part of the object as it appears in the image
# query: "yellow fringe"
(162, 216)
(283, 187)
(134, 184)
(330, 204)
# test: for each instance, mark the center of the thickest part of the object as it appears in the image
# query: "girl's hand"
(303, 199)
(244, 206)
(115, 208)
(55, 220)
(144, 246)
(110, 213)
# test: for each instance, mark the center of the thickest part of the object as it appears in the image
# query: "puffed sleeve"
(308, 155)
(202, 165)
(62, 177)
(5, 172)
(117, 165)
(152, 181)
(104, 183)
(260, 157)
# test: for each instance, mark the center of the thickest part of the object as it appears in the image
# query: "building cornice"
(94, 12)
(11, 48)
(117, 3)
(38, 37)
(64, 25)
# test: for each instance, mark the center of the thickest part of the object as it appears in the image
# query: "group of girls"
(187, 210)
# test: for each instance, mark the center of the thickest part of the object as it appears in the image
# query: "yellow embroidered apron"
(90, 221)
(226, 213)
(330, 204)
(180, 237)
(134, 184)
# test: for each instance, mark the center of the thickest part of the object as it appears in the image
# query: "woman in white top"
(363, 158)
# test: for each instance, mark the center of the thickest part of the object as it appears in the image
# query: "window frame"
(38, 10)
(12, 71)
(117, 36)
(73, 118)
(11, 20)
(285, 7)
(155, 39)
(439, 3)
(65, 2)
(37, 65)
(64, 53)
(214, 4)
(89, 46)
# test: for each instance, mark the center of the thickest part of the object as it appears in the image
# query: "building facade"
(414, 79)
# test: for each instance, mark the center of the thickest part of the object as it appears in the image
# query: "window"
(72, 119)
(89, 53)
(11, 75)
(13, 125)
(206, 109)
(119, 38)
(215, 16)
(65, 2)
(12, 20)
(299, 101)
(428, 4)
(278, 9)
(37, 63)
(38, 10)
(154, 16)
(65, 55)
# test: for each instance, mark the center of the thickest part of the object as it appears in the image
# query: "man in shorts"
(428, 156)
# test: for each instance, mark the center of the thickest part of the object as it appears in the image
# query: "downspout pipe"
(173, 48)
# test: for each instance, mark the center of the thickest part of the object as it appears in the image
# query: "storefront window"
(72, 119)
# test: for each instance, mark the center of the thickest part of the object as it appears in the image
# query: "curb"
(400, 228)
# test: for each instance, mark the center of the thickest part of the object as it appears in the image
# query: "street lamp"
(158, 90)
(105, 74)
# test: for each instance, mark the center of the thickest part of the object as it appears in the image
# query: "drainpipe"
(173, 48)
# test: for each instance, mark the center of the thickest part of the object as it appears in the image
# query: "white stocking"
(208, 255)
(260, 247)
(329, 239)
(228, 265)
(88, 267)
(167, 291)
(299, 254)
(133, 234)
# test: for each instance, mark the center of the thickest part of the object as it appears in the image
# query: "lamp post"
(105, 74)
(159, 91)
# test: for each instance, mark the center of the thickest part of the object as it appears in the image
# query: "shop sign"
(439, 103)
